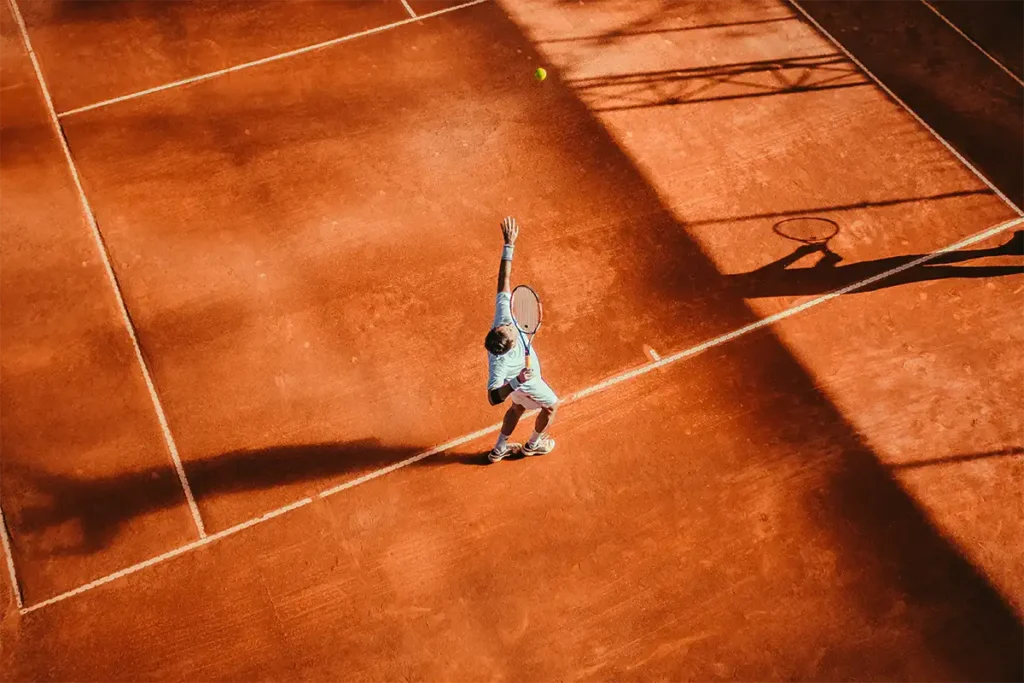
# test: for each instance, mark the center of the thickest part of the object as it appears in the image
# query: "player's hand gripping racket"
(526, 313)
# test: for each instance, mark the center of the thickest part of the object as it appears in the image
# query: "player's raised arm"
(510, 230)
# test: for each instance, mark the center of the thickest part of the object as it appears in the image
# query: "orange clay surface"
(307, 250)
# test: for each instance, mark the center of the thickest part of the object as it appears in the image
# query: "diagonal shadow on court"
(954, 88)
(881, 535)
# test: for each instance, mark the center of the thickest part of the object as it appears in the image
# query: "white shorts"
(534, 395)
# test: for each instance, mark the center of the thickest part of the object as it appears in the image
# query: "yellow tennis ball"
(541, 73)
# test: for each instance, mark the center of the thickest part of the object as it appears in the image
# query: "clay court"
(247, 262)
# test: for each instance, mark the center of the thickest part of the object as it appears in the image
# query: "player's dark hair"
(497, 343)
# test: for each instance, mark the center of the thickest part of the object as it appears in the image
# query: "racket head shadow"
(527, 312)
(807, 229)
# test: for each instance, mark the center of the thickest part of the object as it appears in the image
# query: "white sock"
(535, 438)
(502, 440)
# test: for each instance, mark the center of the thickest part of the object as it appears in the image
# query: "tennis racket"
(526, 313)
(807, 230)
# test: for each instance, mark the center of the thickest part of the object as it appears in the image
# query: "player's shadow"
(93, 510)
(474, 458)
(830, 273)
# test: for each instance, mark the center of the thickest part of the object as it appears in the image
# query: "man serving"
(509, 376)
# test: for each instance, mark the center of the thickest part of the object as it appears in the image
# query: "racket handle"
(527, 360)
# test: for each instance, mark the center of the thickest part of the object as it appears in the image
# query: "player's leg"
(545, 418)
(540, 443)
(508, 425)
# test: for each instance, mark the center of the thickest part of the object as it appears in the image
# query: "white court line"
(6, 540)
(971, 41)
(267, 60)
(105, 257)
(169, 554)
(268, 516)
(408, 9)
(910, 111)
(618, 379)
(985, 234)
(414, 459)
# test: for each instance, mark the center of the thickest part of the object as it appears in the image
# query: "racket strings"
(526, 311)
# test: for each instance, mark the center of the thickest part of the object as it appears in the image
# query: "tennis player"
(509, 377)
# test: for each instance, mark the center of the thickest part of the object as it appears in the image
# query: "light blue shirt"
(508, 365)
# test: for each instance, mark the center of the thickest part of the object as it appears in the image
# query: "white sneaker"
(510, 449)
(543, 446)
